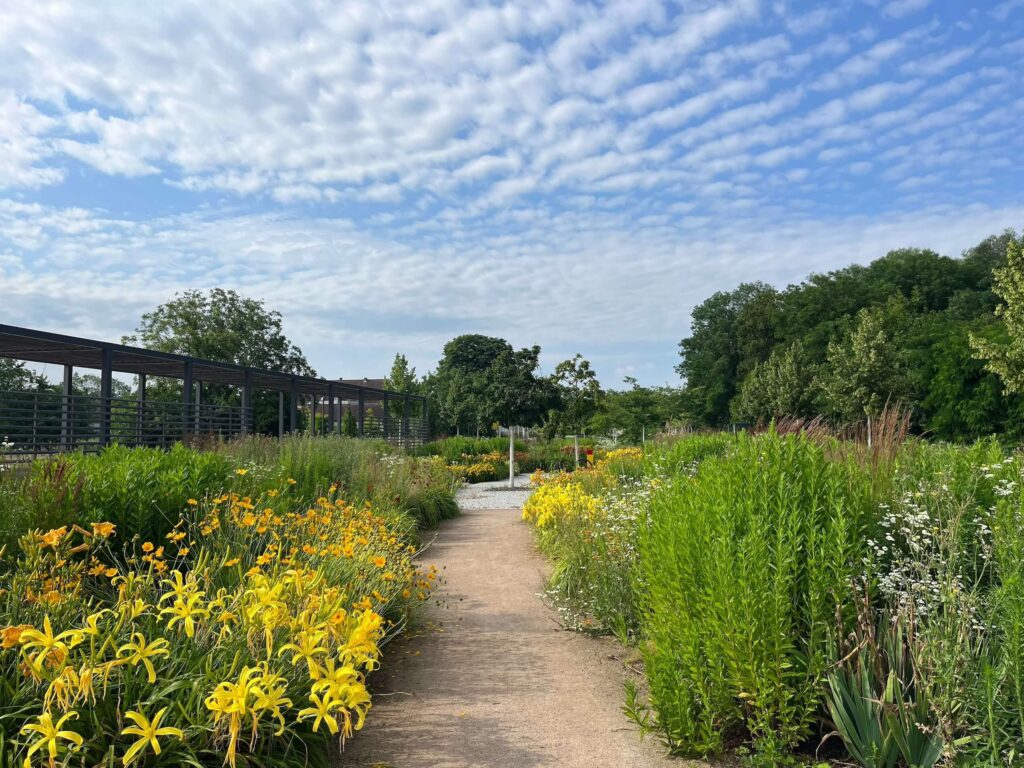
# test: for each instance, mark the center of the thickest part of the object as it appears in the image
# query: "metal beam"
(67, 424)
(140, 408)
(247, 414)
(186, 396)
(106, 390)
(362, 413)
(293, 421)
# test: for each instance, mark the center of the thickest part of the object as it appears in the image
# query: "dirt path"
(497, 682)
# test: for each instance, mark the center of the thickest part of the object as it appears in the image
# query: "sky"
(391, 174)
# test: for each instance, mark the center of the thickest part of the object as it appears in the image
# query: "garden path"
(493, 680)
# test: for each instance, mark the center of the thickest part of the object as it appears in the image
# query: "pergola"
(119, 420)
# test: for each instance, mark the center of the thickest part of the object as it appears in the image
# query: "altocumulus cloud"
(579, 175)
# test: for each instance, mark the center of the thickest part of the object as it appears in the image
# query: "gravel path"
(494, 495)
(493, 680)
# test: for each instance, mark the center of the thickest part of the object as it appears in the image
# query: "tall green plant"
(745, 569)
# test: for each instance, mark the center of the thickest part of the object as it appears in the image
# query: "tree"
(349, 427)
(401, 379)
(580, 391)
(459, 387)
(711, 355)
(1005, 358)
(776, 388)
(15, 376)
(868, 367)
(222, 325)
(514, 396)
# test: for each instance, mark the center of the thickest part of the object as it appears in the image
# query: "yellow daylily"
(48, 644)
(138, 651)
(149, 733)
(50, 736)
(322, 712)
(186, 611)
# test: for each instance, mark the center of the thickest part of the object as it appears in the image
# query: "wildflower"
(103, 530)
(232, 562)
(138, 651)
(231, 700)
(50, 736)
(270, 698)
(380, 562)
(192, 502)
(148, 547)
(241, 472)
(149, 732)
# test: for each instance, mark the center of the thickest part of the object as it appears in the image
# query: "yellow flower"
(307, 648)
(103, 530)
(50, 736)
(139, 652)
(380, 562)
(148, 731)
(241, 472)
(192, 502)
(148, 547)
(231, 700)
(49, 645)
(232, 562)
(186, 611)
(291, 481)
(321, 712)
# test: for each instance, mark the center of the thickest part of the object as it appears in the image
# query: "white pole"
(511, 458)
(576, 449)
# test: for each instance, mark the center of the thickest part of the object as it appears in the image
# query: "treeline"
(482, 381)
(843, 344)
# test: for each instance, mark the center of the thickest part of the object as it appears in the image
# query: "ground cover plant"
(244, 633)
(794, 593)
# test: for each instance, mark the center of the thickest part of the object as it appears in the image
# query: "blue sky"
(577, 175)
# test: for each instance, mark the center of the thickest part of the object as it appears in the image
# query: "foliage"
(580, 392)
(711, 356)
(225, 326)
(402, 378)
(896, 329)
(1006, 359)
(867, 368)
(16, 376)
(776, 388)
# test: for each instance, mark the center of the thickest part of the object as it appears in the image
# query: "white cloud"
(636, 151)
(897, 9)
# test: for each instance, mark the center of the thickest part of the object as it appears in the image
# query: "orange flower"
(53, 537)
(11, 635)
(147, 547)
(379, 561)
(103, 530)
